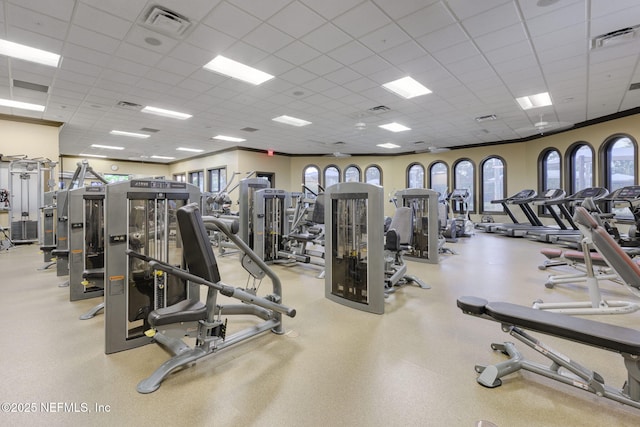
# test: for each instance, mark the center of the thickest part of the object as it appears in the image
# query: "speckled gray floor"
(412, 366)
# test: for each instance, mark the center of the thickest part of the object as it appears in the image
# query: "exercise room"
(320, 212)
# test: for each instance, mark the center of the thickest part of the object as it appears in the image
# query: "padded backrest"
(610, 250)
(318, 210)
(402, 222)
(196, 246)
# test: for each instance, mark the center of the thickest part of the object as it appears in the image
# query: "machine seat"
(60, 252)
(93, 273)
(183, 311)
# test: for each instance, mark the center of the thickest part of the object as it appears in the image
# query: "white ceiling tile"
(137, 54)
(298, 76)
(92, 40)
(35, 22)
(370, 65)
(464, 9)
(615, 21)
(118, 77)
(231, 20)
(130, 9)
(72, 51)
(361, 20)
(126, 66)
(422, 64)
(530, 9)
(456, 53)
(331, 9)
(192, 54)
(193, 10)
(477, 64)
(172, 65)
(599, 8)
(350, 53)
(81, 67)
(101, 22)
(563, 51)
(297, 53)
(261, 9)
(296, 20)
(397, 9)
(61, 9)
(500, 38)
(326, 38)
(337, 92)
(343, 75)
(509, 53)
(561, 18)
(404, 53)
(245, 53)
(164, 77)
(427, 20)
(569, 34)
(322, 65)
(268, 38)
(492, 20)
(210, 39)
(524, 62)
(274, 65)
(140, 36)
(443, 38)
(385, 38)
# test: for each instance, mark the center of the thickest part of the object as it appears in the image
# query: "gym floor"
(335, 366)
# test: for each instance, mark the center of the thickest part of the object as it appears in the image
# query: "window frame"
(483, 162)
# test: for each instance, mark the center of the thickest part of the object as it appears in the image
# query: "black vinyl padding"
(183, 311)
(598, 334)
(198, 254)
(93, 273)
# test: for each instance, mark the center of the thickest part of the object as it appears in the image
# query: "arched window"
(549, 172)
(311, 178)
(373, 175)
(580, 168)
(352, 174)
(331, 176)
(464, 178)
(619, 155)
(415, 176)
(439, 177)
(492, 171)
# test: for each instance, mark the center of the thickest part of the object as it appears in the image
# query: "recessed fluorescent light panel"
(22, 105)
(107, 147)
(191, 150)
(288, 120)
(534, 101)
(30, 54)
(236, 70)
(92, 155)
(131, 134)
(166, 113)
(228, 138)
(395, 127)
(162, 157)
(388, 145)
(406, 87)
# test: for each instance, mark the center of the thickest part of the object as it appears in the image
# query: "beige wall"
(32, 140)
(105, 166)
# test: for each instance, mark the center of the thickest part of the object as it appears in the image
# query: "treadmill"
(551, 201)
(570, 236)
(516, 199)
(517, 229)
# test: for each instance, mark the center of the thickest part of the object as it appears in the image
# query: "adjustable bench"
(515, 318)
(626, 271)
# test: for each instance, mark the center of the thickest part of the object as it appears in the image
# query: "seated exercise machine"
(398, 241)
(626, 269)
(203, 321)
(516, 320)
(48, 225)
(459, 225)
(427, 242)
(355, 270)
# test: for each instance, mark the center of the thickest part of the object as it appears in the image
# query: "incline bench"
(515, 319)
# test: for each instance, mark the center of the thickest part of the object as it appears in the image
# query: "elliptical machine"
(459, 222)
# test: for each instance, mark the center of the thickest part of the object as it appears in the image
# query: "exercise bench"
(515, 319)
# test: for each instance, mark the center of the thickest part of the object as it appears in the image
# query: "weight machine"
(426, 243)
(459, 225)
(48, 221)
(141, 217)
(86, 242)
(354, 242)
(27, 180)
(270, 223)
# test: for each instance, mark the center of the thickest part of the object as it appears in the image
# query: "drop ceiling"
(329, 59)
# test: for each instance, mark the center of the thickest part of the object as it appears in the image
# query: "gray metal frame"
(79, 287)
(424, 202)
(367, 245)
(120, 334)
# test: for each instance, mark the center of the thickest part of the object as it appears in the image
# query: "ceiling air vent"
(150, 130)
(634, 86)
(248, 129)
(486, 118)
(129, 105)
(379, 109)
(166, 22)
(615, 37)
(30, 86)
